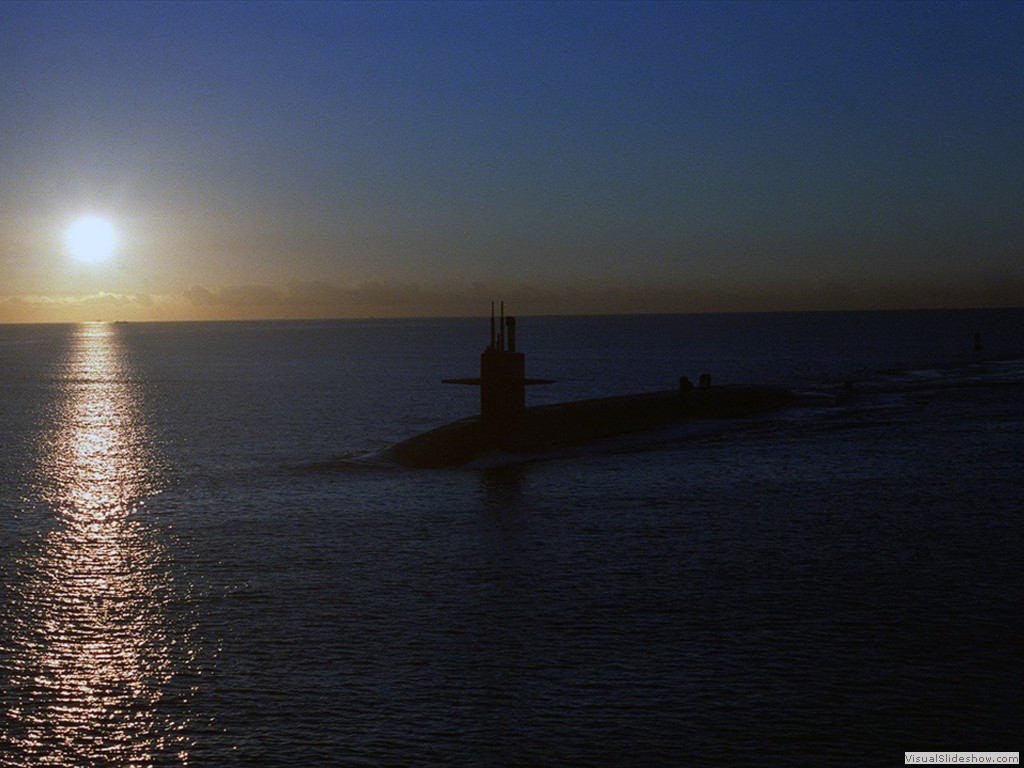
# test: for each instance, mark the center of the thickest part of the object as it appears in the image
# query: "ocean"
(206, 560)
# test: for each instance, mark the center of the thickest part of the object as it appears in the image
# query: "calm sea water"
(188, 576)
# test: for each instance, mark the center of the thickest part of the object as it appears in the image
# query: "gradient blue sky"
(354, 159)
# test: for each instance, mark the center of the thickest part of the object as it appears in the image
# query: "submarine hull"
(549, 426)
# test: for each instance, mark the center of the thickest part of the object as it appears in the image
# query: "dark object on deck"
(506, 424)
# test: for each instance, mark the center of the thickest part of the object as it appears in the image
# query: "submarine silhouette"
(505, 424)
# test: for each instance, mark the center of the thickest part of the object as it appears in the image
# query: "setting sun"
(91, 239)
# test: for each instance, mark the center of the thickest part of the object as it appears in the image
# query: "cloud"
(323, 299)
(383, 298)
(77, 307)
(235, 296)
(319, 299)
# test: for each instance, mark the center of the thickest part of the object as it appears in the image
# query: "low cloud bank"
(102, 305)
(313, 299)
(401, 299)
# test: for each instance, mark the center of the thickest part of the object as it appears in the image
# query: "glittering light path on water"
(93, 668)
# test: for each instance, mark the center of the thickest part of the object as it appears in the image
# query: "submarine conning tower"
(502, 379)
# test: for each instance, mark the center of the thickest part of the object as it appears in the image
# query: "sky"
(323, 159)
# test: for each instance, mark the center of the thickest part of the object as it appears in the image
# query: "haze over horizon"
(314, 160)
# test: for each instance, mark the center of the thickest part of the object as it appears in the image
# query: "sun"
(91, 239)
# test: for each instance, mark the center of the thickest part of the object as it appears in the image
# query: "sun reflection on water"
(96, 661)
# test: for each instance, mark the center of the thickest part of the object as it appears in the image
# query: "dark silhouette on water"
(502, 379)
(506, 424)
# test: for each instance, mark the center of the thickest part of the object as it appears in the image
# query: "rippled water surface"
(189, 576)
(97, 636)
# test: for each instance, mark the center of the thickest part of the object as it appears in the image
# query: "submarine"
(505, 424)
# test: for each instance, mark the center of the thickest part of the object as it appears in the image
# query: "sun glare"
(91, 239)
